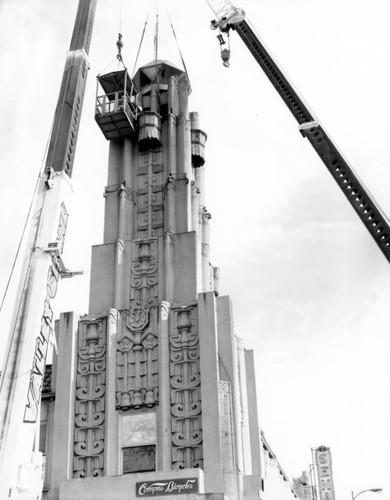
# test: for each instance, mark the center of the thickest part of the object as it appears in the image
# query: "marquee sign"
(180, 486)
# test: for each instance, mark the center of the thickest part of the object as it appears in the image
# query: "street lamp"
(374, 490)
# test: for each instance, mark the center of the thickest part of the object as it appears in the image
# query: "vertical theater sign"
(323, 462)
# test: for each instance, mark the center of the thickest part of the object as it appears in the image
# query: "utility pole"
(32, 322)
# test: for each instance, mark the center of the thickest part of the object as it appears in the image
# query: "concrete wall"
(61, 451)
(253, 419)
(185, 274)
(212, 447)
(101, 295)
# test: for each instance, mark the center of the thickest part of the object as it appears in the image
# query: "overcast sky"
(310, 289)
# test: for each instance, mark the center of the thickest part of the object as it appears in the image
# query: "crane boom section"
(221, 8)
(354, 190)
(32, 328)
(276, 76)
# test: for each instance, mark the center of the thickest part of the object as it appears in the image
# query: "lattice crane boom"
(230, 17)
(225, 12)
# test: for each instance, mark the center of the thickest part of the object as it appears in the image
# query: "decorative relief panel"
(137, 359)
(137, 349)
(144, 273)
(186, 410)
(90, 398)
(150, 194)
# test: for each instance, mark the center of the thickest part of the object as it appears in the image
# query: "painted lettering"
(62, 227)
(324, 471)
(168, 487)
(38, 367)
(52, 281)
(152, 488)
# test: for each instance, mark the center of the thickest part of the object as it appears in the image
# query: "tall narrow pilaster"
(206, 268)
(164, 443)
(183, 190)
(64, 410)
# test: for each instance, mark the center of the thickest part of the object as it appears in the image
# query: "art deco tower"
(153, 395)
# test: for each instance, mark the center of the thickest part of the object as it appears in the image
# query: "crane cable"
(140, 44)
(119, 42)
(156, 38)
(156, 41)
(156, 50)
(119, 45)
(177, 45)
(120, 16)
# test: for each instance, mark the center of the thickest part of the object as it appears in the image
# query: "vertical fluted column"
(216, 280)
(200, 184)
(61, 450)
(205, 217)
(122, 215)
(168, 266)
(172, 157)
(198, 141)
(164, 443)
(183, 127)
(245, 435)
(111, 428)
(209, 376)
(195, 122)
(119, 272)
(126, 196)
(154, 99)
(114, 179)
(170, 196)
(183, 207)
(195, 207)
(172, 96)
(127, 166)
(120, 201)
(164, 421)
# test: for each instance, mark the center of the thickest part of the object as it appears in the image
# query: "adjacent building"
(302, 486)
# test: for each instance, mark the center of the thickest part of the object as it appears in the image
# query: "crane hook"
(225, 52)
(225, 56)
(119, 44)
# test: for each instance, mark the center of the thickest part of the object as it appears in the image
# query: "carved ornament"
(186, 409)
(90, 398)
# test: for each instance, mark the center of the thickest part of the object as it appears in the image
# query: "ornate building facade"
(153, 394)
